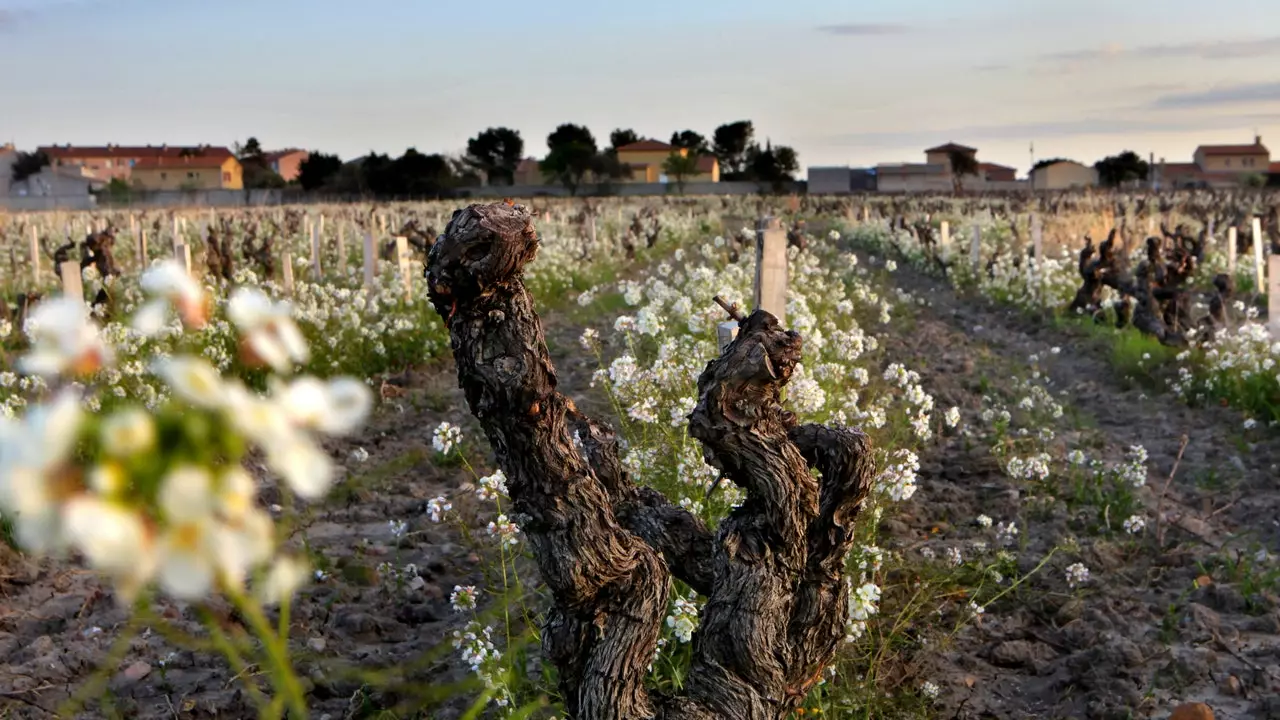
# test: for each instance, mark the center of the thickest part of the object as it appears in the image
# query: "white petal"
(151, 318)
(349, 403)
(306, 469)
(186, 494)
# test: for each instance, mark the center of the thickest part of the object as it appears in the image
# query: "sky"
(842, 82)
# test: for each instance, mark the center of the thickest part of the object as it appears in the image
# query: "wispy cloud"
(1223, 95)
(992, 67)
(1213, 50)
(863, 29)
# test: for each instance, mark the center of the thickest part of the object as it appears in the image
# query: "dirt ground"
(1142, 638)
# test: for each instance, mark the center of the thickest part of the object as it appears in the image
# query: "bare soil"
(1140, 638)
(1143, 636)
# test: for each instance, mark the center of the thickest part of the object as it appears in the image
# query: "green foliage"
(571, 155)
(772, 165)
(693, 142)
(27, 164)
(497, 152)
(317, 170)
(621, 137)
(1126, 167)
(1049, 161)
(680, 166)
(730, 144)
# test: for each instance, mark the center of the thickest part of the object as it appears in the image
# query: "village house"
(647, 157)
(286, 163)
(216, 169)
(1218, 166)
(934, 175)
(1063, 175)
(116, 162)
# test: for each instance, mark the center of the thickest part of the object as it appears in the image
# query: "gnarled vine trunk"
(777, 601)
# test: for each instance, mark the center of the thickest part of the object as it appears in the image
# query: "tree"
(731, 143)
(496, 152)
(608, 548)
(317, 170)
(772, 165)
(27, 164)
(571, 155)
(680, 166)
(1253, 180)
(691, 141)
(253, 162)
(419, 175)
(1048, 162)
(962, 163)
(621, 137)
(1126, 167)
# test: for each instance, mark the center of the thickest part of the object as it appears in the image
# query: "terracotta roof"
(277, 154)
(189, 161)
(72, 152)
(706, 163)
(1275, 167)
(646, 146)
(1254, 149)
(950, 147)
(994, 166)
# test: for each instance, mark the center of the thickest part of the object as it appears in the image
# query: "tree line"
(573, 158)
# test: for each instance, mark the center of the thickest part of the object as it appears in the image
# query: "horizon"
(840, 88)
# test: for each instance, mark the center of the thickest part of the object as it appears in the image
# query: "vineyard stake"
(771, 268)
(1257, 255)
(72, 282)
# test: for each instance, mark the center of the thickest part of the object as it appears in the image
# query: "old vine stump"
(773, 572)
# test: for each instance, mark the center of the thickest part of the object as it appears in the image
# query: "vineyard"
(863, 457)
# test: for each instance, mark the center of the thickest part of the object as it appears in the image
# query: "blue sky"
(842, 81)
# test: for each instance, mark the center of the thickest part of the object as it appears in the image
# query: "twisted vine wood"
(607, 548)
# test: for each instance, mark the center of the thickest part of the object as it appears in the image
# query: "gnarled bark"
(606, 548)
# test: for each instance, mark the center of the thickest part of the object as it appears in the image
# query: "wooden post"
(975, 248)
(316, 269)
(34, 251)
(1037, 241)
(402, 263)
(945, 231)
(183, 254)
(286, 260)
(370, 262)
(725, 333)
(591, 228)
(771, 268)
(141, 240)
(1233, 239)
(72, 282)
(342, 250)
(1258, 269)
(176, 241)
(1273, 295)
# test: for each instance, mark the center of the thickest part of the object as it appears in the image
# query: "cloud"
(863, 29)
(1223, 95)
(1049, 128)
(1215, 50)
(993, 67)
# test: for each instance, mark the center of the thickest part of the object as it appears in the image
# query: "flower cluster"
(161, 494)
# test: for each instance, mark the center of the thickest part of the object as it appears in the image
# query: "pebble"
(1192, 711)
(137, 671)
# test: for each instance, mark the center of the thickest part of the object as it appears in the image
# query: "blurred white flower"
(64, 340)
